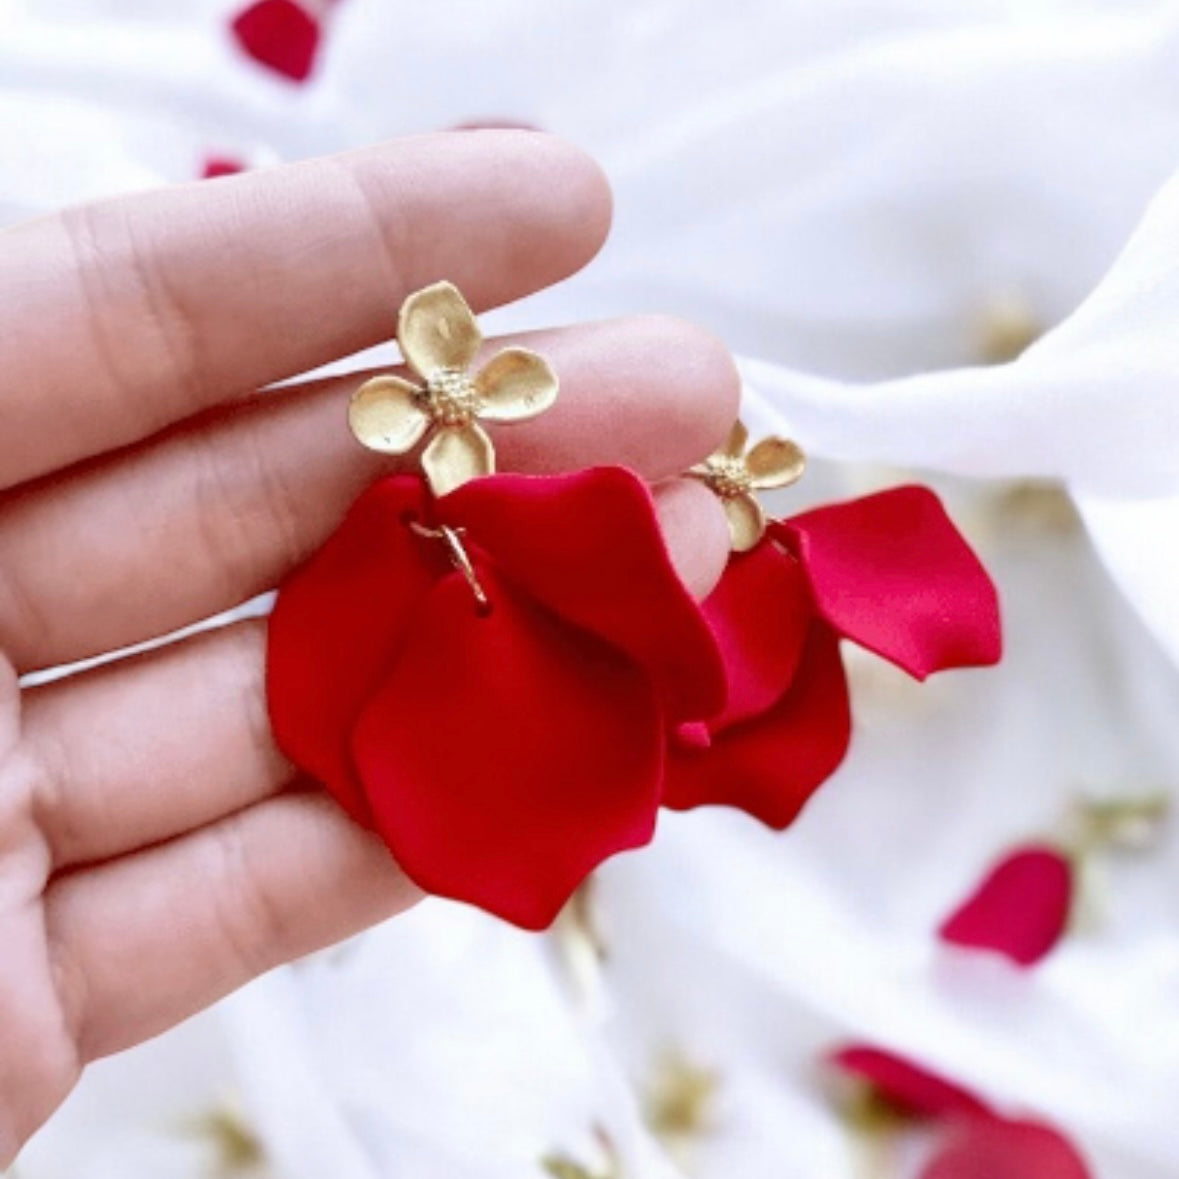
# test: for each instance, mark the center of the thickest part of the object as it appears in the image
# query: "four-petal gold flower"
(734, 476)
(439, 339)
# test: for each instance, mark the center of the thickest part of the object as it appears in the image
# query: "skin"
(156, 850)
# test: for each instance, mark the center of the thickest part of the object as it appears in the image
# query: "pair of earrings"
(504, 676)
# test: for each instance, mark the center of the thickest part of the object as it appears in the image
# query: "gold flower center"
(451, 397)
(728, 476)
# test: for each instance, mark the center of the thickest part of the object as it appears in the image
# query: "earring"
(889, 572)
(483, 667)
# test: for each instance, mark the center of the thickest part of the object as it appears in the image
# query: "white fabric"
(846, 192)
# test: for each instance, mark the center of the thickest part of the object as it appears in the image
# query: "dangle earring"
(889, 572)
(466, 664)
(503, 675)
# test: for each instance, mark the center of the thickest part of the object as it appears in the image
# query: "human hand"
(156, 851)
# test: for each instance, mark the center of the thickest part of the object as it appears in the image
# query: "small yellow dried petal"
(385, 414)
(455, 456)
(436, 330)
(775, 462)
(514, 385)
(747, 522)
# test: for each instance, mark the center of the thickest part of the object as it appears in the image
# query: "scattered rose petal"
(280, 35)
(215, 166)
(915, 1091)
(1020, 909)
(994, 1148)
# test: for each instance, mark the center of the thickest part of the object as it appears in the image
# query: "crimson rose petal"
(914, 1090)
(891, 572)
(995, 1148)
(337, 623)
(760, 614)
(280, 35)
(215, 166)
(1020, 909)
(548, 757)
(769, 766)
(589, 547)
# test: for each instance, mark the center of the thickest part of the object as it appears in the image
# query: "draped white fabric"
(866, 200)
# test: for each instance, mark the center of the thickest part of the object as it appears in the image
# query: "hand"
(155, 849)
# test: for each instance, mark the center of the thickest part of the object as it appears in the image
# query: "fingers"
(143, 750)
(196, 918)
(124, 317)
(219, 511)
(262, 884)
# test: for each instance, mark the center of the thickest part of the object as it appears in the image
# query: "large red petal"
(770, 765)
(760, 614)
(994, 1148)
(280, 35)
(892, 573)
(588, 546)
(507, 755)
(338, 621)
(1020, 909)
(915, 1091)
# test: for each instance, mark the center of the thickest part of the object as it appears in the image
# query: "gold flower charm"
(439, 338)
(734, 476)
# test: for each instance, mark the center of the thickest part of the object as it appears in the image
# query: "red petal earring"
(483, 667)
(889, 572)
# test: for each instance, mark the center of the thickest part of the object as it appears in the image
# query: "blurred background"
(922, 226)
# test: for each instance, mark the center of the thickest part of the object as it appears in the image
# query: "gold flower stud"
(439, 338)
(734, 476)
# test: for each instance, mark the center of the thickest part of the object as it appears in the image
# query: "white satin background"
(850, 193)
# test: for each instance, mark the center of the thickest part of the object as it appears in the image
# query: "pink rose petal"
(215, 166)
(1021, 908)
(993, 1148)
(279, 35)
(916, 1091)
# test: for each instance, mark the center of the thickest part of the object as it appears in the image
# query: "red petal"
(769, 766)
(215, 166)
(760, 614)
(280, 35)
(588, 547)
(507, 755)
(338, 621)
(915, 1091)
(892, 573)
(1020, 909)
(993, 1148)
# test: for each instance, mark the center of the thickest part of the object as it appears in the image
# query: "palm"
(155, 850)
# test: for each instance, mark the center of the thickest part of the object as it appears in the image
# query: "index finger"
(122, 317)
